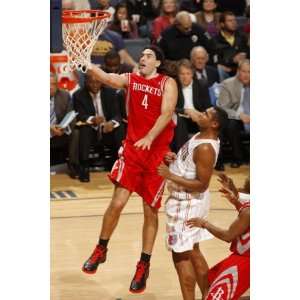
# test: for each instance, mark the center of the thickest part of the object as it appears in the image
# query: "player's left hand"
(196, 222)
(163, 171)
(170, 157)
(144, 143)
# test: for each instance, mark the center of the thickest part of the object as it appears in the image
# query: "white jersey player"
(188, 178)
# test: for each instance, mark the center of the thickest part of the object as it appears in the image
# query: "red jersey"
(241, 245)
(143, 104)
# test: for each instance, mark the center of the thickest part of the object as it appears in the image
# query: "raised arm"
(204, 158)
(168, 105)
(238, 227)
(111, 79)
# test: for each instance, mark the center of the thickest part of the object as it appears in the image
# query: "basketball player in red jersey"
(230, 278)
(150, 101)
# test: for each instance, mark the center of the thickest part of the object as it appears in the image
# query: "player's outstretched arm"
(238, 227)
(111, 79)
(168, 105)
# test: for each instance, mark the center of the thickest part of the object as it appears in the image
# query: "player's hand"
(170, 157)
(192, 113)
(196, 222)
(228, 188)
(144, 143)
(163, 171)
(108, 127)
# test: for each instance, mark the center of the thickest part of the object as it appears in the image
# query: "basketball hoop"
(80, 29)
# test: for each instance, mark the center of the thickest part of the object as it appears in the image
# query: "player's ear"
(158, 63)
(215, 124)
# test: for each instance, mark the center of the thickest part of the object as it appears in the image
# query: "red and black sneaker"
(97, 257)
(138, 283)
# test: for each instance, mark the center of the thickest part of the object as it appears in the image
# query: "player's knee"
(188, 281)
(151, 219)
(150, 214)
(116, 206)
(203, 272)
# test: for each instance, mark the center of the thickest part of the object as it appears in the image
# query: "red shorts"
(136, 170)
(230, 278)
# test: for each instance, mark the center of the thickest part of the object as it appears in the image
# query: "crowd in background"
(206, 44)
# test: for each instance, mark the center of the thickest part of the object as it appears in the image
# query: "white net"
(80, 38)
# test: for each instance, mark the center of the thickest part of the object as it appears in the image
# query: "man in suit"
(193, 97)
(101, 122)
(199, 59)
(62, 142)
(235, 100)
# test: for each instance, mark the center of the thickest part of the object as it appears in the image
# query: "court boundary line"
(97, 198)
(126, 214)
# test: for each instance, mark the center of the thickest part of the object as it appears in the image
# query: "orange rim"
(73, 16)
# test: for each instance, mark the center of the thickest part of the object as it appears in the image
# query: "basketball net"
(80, 30)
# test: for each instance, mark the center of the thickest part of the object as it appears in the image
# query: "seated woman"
(123, 24)
(208, 18)
(167, 17)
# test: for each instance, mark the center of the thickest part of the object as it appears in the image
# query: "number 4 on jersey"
(145, 102)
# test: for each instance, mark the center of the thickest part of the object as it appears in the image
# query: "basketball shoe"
(98, 257)
(138, 283)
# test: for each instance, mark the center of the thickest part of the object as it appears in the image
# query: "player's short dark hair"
(221, 117)
(158, 53)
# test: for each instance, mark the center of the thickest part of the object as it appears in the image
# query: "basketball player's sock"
(145, 257)
(103, 242)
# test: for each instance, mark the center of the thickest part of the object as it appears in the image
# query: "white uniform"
(182, 205)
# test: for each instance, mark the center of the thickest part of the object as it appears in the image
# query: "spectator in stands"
(235, 100)
(167, 16)
(208, 18)
(231, 46)
(123, 24)
(100, 120)
(191, 6)
(95, 3)
(192, 98)
(75, 5)
(237, 7)
(106, 6)
(204, 72)
(112, 63)
(178, 40)
(143, 12)
(109, 40)
(63, 142)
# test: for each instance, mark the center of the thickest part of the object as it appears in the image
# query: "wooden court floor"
(76, 216)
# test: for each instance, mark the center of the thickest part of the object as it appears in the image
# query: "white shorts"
(180, 237)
